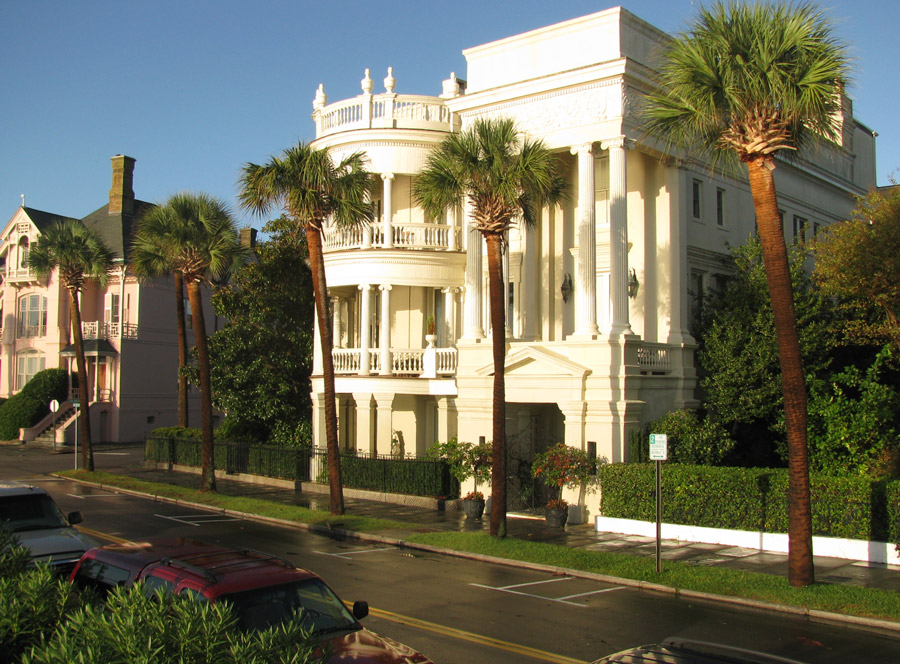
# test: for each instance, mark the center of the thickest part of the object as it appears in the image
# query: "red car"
(262, 588)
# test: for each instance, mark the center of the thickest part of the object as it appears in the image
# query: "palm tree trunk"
(498, 339)
(317, 265)
(207, 446)
(778, 276)
(182, 350)
(84, 417)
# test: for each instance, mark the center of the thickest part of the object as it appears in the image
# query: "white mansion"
(600, 291)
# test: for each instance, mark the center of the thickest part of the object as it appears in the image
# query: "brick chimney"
(248, 237)
(121, 194)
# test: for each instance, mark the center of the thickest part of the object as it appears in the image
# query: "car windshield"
(262, 607)
(31, 511)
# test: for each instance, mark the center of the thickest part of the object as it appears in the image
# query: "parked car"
(263, 589)
(39, 525)
(684, 651)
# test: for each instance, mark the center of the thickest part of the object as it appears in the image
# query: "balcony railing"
(20, 274)
(430, 237)
(384, 111)
(404, 361)
(99, 330)
(654, 358)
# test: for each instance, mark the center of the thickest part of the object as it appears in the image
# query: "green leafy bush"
(752, 499)
(28, 406)
(692, 439)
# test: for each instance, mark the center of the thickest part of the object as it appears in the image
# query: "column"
(383, 422)
(365, 315)
(586, 272)
(317, 346)
(618, 234)
(453, 225)
(318, 419)
(365, 442)
(336, 328)
(388, 209)
(384, 334)
(445, 428)
(507, 312)
(472, 322)
(449, 316)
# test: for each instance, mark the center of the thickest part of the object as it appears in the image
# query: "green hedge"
(751, 499)
(32, 403)
(418, 477)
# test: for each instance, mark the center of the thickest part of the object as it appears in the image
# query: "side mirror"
(360, 610)
(74, 517)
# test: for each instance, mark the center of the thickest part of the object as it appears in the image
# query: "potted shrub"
(430, 330)
(466, 460)
(563, 466)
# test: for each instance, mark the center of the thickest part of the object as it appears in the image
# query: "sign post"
(77, 404)
(659, 452)
(54, 406)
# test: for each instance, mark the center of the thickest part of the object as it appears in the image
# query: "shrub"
(692, 439)
(752, 499)
(563, 466)
(28, 406)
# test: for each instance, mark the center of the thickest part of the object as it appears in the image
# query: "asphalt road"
(457, 610)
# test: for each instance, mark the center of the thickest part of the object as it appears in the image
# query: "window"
(111, 308)
(23, 253)
(28, 364)
(720, 207)
(696, 195)
(32, 316)
(799, 228)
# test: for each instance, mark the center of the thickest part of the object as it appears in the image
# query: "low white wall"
(874, 552)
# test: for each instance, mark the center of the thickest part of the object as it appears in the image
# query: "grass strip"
(266, 508)
(851, 600)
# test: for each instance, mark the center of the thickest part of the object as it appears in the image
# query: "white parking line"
(350, 553)
(95, 495)
(561, 600)
(196, 519)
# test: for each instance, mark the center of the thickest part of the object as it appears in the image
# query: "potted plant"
(430, 330)
(466, 460)
(563, 466)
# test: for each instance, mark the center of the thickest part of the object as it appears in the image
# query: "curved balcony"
(429, 237)
(416, 362)
(384, 111)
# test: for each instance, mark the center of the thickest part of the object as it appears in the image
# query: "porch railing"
(654, 358)
(404, 361)
(384, 111)
(100, 330)
(428, 237)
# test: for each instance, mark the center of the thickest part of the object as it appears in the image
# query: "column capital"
(387, 176)
(385, 287)
(617, 142)
(364, 287)
(582, 148)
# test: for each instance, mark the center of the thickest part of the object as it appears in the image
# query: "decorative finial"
(450, 87)
(23, 199)
(321, 98)
(390, 81)
(367, 84)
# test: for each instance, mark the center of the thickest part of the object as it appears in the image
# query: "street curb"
(813, 615)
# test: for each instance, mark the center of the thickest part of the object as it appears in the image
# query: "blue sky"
(193, 89)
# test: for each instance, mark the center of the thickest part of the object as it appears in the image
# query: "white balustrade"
(654, 358)
(446, 361)
(429, 237)
(346, 360)
(388, 110)
(98, 330)
(404, 361)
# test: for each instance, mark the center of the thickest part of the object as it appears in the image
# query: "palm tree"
(503, 176)
(78, 254)
(750, 81)
(310, 188)
(193, 235)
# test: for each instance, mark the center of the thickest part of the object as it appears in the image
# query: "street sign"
(54, 406)
(76, 402)
(659, 447)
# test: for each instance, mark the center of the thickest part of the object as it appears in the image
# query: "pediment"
(537, 361)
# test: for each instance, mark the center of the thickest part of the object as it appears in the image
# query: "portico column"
(453, 225)
(317, 347)
(337, 329)
(618, 234)
(388, 209)
(449, 316)
(384, 334)
(586, 273)
(365, 314)
(384, 404)
(472, 323)
(365, 442)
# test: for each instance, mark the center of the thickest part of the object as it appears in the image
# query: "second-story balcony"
(405, 362)
(429, 237)
(100, 330)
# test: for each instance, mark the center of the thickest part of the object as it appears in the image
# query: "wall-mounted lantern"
(633, 284)
(566, 288)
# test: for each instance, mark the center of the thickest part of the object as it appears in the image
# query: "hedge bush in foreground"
(32, 403)
(751, 499)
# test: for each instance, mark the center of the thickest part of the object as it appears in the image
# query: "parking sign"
(659, 447)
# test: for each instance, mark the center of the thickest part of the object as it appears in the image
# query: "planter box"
(873, 552)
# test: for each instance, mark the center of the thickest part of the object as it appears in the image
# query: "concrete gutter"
(813, 615)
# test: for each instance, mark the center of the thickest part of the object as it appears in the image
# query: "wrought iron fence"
(376, 472)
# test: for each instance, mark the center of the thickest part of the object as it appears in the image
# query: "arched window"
(32, 316)
(28, 363)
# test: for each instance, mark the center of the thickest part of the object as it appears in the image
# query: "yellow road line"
(103, 536)
(476, 638)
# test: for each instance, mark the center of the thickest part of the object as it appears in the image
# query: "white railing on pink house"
(99, 330)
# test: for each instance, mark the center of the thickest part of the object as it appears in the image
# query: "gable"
(537, 361)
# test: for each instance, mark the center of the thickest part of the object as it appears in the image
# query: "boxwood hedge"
(751, 499)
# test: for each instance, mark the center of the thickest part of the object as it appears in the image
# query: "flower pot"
(473, 508)
(556, 517)
(430, 339)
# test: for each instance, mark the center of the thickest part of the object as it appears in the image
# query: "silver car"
(30, 513)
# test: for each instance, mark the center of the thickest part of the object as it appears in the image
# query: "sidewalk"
(531, 527)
